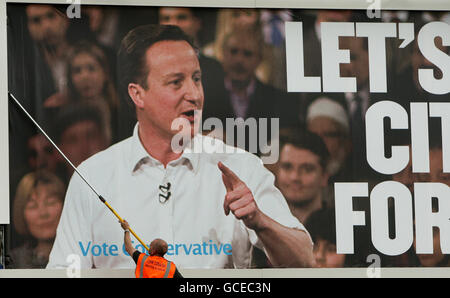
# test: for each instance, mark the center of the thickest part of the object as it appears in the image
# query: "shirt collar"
(140, 157)
(249, 90)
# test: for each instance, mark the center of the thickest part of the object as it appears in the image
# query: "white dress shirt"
(129, 178)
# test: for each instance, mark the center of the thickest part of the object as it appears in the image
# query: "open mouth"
(189, 115)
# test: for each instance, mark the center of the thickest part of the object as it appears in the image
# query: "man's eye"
(50, 15)
(286, 166)
(197, 78)
(307, 168)
(234, 51)
(35, 20)
(76, 70)
(176, 82)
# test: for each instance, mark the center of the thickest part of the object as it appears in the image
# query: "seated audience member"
(41, 154)
(228, 20)
(48, 30)
(238, 19)
(246, 96)
(80, 133)
(300, 175)
(322, 227)
(103, 22)
(329, 120)
(301, 172)
(89, 81)
(37, 208)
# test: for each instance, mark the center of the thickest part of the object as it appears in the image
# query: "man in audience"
(41, 154)
(301, 173)
(246, 96)
(301, 176)
(47, 27)
(80, 133)
(329, 120)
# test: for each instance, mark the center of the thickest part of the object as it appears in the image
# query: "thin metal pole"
(51, 141)
(75, 169)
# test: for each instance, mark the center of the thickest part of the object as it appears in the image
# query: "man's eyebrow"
(173, 75)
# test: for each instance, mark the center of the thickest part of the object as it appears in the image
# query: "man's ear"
(136, 92)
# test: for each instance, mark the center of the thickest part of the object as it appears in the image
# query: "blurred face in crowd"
(181, 17)
(300, 177)
(46, 25)
(244, 18)
(96, 17)
(81, 140)
(436, 173)
(359, 59)
(41, 154)
(174, 88)
(88, 76)
(42, 212)
(242, 56)
(326, 256)
(334, 137)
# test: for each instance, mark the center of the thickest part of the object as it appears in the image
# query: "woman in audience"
(36, 211)
(90, 81)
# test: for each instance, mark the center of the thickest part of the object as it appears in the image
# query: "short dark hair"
(305, 139)
(196, 12)
(75, 113)
(322, 224)
(131, 55)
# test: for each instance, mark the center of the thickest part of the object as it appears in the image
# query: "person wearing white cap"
(327, 118)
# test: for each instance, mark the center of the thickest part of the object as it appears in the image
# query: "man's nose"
(239, 57)
(47, 25)
(319, 255)
(194, 92)
(295, 175)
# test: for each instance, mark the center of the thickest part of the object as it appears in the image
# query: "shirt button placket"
(167, 208)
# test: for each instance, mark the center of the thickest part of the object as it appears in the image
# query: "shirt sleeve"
(73, 237)
(136, 255)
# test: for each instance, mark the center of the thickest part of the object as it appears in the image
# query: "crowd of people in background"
(64, 72)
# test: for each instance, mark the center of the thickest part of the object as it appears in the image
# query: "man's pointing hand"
(239, 199)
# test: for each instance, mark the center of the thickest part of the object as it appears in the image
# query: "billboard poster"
(241, 137)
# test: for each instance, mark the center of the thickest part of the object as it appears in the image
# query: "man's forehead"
(175, 11)
(171, 54)
(291, 152)
(243, 42)
(37, 10)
